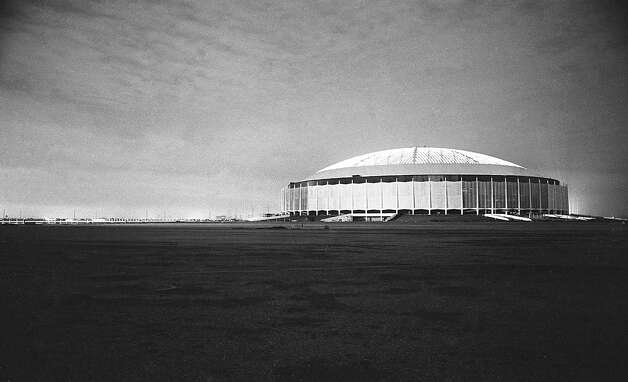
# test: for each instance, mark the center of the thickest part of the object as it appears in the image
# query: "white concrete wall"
(359, 196)
(345, 197)
(334, 196)
(422, 195)
(405, 195)
(374, 198)
(322, 196)
(454, 195)
(312, 200)
(389, 196)
(439, 195)
(394, 195)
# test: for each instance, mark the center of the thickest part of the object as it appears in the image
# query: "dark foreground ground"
(468, 301)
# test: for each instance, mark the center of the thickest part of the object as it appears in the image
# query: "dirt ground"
(466, 301)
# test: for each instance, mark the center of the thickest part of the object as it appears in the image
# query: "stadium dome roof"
(419, 155)
(420, 160)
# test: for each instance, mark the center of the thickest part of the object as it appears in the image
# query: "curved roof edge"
(423, 169)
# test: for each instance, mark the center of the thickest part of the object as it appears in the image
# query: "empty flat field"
(466, 301)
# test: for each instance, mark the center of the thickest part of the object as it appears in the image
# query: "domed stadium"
(425, 181)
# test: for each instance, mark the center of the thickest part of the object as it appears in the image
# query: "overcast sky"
(198, 107)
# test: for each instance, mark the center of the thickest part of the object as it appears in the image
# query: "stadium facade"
(424, 180)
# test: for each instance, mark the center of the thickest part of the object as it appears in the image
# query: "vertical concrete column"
(413, 196)
(540, 198)
(300, 199)
(446, 196)
(461, 198)
(397, 194)
(352, 203)
(366, 196)
(381, 198)
(518, 198)
(328, 189)
(477, 196)
(506, 193)
(530, 193)
(316, 188)
(338, 185)
(492, 198)
(429, 191)
(381, 195)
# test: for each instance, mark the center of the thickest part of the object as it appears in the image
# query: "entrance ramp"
(506, 217)
(338, 219)
(497, 217)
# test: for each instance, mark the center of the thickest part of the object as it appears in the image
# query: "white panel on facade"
(321, 197)
(454, 195)
(345, 196)
(359, 196)
(334, 196)
(405, 195)
(311, 198)
(422, 195)
(439, 195)
(295, 198)
(389, 196)
(374, 198)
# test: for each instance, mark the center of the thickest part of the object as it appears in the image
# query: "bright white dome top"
(419, 155)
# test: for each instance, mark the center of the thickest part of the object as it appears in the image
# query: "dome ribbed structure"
(419, 155)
